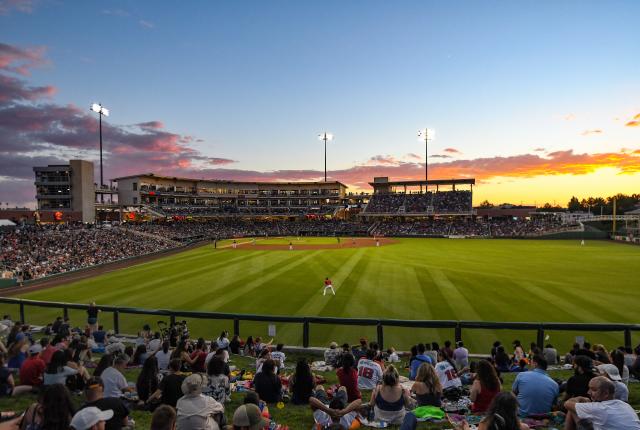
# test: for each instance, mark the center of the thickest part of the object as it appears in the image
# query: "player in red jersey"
(328, 285)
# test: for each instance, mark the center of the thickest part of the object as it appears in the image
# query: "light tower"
(425, 135)
(100, 110)
(325, 136)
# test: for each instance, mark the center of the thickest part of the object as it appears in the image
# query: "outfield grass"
(487, 280)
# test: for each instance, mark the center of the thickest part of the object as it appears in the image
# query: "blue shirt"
(413, 371)
(536, 392)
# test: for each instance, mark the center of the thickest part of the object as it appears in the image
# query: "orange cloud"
(633, 123)
(452, 151)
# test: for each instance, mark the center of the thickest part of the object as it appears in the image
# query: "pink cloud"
(24, 6)
(452, 151)
(18, 60)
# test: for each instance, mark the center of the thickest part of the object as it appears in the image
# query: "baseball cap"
(36, 348)
(610, 370)
(249, 415)
(333, 345)
(88, 417)
(20, 336)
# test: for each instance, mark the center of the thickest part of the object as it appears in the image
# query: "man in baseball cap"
(611, 372)
(90, 418)
(32, 370)
(249, 417)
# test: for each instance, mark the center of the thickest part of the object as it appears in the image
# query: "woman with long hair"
(250, 347)
(389, 399)
(503, 362)
(147, 382)
(301, 383)
(348, 376)
(617, 359)
(446, 371)
(485, 387)
(17, 353)
(53, 411)
(140, 355)
(105, 361)
(235, 344)
(7, 383)
(218, 386)
(164, 355)
(502, 414)
(182, 354)
(427, 388)
(57, 371)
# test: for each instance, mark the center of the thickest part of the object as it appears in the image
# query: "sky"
(538, 101)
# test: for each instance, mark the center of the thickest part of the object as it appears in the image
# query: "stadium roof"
(224, 181)
(469, 181)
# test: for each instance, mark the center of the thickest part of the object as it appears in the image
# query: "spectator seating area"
(440, 202)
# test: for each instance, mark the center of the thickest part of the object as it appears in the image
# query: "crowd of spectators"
(35, 251)
(189, 381)
(443, 202)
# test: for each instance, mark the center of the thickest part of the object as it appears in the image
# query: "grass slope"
(489, 280)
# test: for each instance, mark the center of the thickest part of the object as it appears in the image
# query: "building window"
(135, 186)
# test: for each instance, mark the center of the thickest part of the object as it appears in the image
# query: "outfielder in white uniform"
(328, 286)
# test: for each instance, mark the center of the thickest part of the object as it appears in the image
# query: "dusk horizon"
(538, 103)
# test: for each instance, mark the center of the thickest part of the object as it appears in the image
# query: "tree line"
(595, 205)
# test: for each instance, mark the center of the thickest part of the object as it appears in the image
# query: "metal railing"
(306, 322)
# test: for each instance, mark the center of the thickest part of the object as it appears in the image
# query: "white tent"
(7, 223)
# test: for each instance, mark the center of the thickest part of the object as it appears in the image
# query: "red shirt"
(32, 371)
(327, 282)
(350, 381)
(47, 353)
(198, 365)
(484, 399)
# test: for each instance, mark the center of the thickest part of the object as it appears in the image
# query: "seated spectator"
(248, 417)
(223, 340)
(170, 388)
(163, 356)
(336, 411)
(147, 382)
(99, 335)
(7, 384)
(163, 418)
(235, 345)
(536, 391)
(461, 356)
(53, 410)
(115, 384)
(105, 361)
(194, 409)
(578, 384)
(348, 377)
(518, 351)
(611, 372)
(139, 356)
(485, 387)
(551, 355)
(94, 396)
(602, 355)
(90, 418)
(331, 354)
(32, 370)
(58, 371)
(602, 411)
(420, 358)
(47, 350)
(586, 350)
(183, 355)
(618, 360)
(502, 359)
(267, 384)
(502, 414)
(431, 353)
(17, 352)
(392, 356)
(427, 388)
(263, 356)
(369, 372)
(278, 356)
(448, 352)
(521, 366)
(360, 351)
(154, 344)
(301, 383)
(446, 372)
(389, 399)
(199, 356)
(252, 398)
(218, 386)
(249, 347)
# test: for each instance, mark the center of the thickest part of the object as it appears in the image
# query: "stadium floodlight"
(325, 136)
(100, 110)
(425, 135)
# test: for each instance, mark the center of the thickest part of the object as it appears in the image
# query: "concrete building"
(68, 189)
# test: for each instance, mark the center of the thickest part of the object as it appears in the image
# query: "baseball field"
(424, 279)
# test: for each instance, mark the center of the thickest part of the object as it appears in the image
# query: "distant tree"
(574, 205)
(486, 204)
(548, 207)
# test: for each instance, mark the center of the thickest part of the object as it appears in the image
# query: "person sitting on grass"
(427, 388)
(263, 356)
(337, 411)
(301, 383)
(139, 356)
(369, 372)
(331, 354)
(249, 347)
(105, 361)
(182, 354)
(32, 370)
(446, 371)
(485, 387)
(163, 418)
(420, 358)
(278, 356)
(90, 418)
(360, 351)
(194, 409)
(267, 384)
(235, 345)
(251, 397)
(348, 377)
(199, 356)
(53, 410)
(536, 391)
(7, 384)
(248, 417)
(502, 359)
(501, 415)
(389, 399)
(617, 359)
(611, 372)
(602, 411)
(58, 371)
(578, 384)
(170, 388)
(461, 356)
(94, 394)
(115, 384)
(218, 386)
(147, 382)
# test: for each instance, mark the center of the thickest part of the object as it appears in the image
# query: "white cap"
(36, 348)
(86, 418)
(611, 371)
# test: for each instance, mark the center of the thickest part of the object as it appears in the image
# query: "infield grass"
(485, 280)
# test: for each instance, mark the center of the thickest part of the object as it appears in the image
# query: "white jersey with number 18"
(447, 375)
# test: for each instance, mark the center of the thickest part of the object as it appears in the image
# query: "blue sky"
(256, 81)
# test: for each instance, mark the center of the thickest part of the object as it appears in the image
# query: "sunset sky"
(538, 101)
